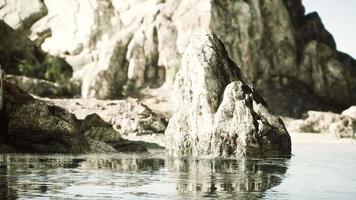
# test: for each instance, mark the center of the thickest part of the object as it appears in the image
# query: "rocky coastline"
(222, 79)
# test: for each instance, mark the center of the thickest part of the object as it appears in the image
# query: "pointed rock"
(218, 113)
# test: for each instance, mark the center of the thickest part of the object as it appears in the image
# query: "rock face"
(218, 112)
(126, 116)
(1, 89)
(116, 49)
(30, 125)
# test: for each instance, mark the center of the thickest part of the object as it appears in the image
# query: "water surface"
(314, 172)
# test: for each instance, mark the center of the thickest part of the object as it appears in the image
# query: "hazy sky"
(339, 18)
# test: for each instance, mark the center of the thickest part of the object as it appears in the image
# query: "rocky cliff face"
(218, 112)
(116, 48)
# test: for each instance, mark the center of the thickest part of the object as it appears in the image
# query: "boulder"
(341, 125)
(31, 125)
(218, 113)
(128, 117)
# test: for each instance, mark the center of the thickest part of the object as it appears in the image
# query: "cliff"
(116, 48)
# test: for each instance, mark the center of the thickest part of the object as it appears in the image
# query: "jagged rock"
(126, 116)
(340, 125)
(21, 14)
(116, 49)
(30, 125)
(100, 147)
(96, 128)
(218, 113)
(38, 87)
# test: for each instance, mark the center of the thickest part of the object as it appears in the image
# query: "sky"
(339, 18)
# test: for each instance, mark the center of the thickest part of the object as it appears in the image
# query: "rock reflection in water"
(127, 177)
(227, 178)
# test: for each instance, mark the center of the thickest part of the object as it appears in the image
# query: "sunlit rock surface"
(341, 125)
(116, 49)
(130, 118)
(218, 113)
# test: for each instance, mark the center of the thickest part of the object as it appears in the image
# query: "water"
(314, 172)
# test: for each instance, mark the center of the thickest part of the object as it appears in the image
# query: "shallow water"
(314, 172)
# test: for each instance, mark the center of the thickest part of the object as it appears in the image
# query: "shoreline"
(318, 138)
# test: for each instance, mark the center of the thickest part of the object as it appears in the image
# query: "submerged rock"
(218, 113)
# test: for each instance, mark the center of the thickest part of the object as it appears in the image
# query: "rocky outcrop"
(126, 116)
(116, 50)
(218, 113)
(341, 125)
(30, 125)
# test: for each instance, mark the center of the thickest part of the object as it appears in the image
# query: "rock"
(95, 128)
(350, 112)
(342, 126)
(21, 14)
(126, 146)
(218, 113)
(20, 56)
(38, 87)
(116, 50)
(1, 90)
(100, 147)
(31, 125)
(128, 117)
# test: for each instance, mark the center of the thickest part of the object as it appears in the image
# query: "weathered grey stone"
(130, 118)
(218, 113)
(116, 49)
(342, 126)
(30, 125)
(21, 14)
(100, 147)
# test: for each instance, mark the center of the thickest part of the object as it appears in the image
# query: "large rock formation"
(218, 113)
(30, 125)
(116, 49)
